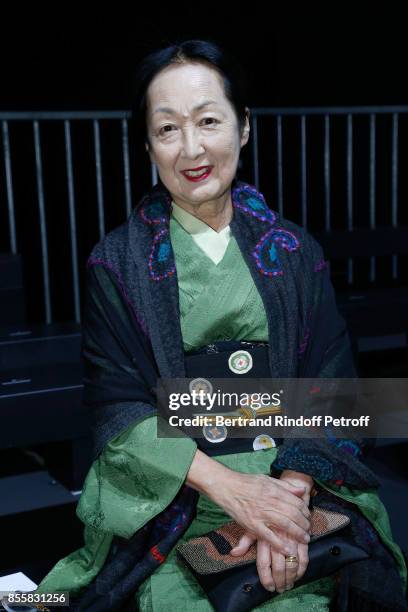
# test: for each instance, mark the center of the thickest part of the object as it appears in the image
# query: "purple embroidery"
(349, 446)
(155, 210)
(171, 520)
(266, 256)
(254, 205)
(252, 202)
(371, 534)
(95, 261)
(321, 265)
(306, 335)
(265, 252)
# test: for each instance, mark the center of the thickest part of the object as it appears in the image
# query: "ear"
(246, 129)
(149, 151)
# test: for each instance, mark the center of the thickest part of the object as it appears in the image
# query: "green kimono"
(137, 474)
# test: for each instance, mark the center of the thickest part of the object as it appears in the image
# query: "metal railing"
(270, 168)
(66, 118)
(327, 116)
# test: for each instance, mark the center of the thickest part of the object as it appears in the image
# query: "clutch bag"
(232, 583)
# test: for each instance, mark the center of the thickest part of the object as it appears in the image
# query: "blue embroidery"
(349, 446)
(155, 210)
(171, 520)
(163, 251)
(161, 265)
(346, 445)
(273, 255)
(266, 254)
(252, 202)
(371, 534)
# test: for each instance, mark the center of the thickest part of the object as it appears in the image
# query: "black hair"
(207, 52)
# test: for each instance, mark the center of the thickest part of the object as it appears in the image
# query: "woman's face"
(183, 136)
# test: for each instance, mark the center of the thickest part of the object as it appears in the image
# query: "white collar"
(213, 243)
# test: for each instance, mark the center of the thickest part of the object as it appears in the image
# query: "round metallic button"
(263, 441)
(215, 433)
(240, 362)
(200, 384)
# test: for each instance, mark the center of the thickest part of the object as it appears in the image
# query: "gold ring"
(291, 559)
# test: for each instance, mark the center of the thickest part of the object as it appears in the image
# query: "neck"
(217, 214)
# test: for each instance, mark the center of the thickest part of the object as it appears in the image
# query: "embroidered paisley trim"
(252, 202)
(155, 210)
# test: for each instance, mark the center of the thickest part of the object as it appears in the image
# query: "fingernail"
(271, 589)
(306, 538)
(289, 586)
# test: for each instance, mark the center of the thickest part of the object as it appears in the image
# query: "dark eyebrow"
(170, 111)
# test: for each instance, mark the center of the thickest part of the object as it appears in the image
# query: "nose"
(192, 145)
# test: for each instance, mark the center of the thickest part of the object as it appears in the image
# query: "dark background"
(66, 56)
(60, 56)
(72, 57)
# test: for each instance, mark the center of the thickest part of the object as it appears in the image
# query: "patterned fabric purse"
(232, 583)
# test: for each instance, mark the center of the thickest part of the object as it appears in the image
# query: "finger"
(291, 501)
(291, 569)
(303, 554)
(300, 503)
(283, 523)
(278, 571)
(293, 513)
(285, 496)
(243, 545)
(298, 490)
(263, 565)
(277, 543)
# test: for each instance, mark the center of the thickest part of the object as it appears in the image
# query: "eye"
(211, 119)
(163, 130)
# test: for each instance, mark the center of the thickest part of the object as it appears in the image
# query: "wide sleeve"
(135, 478)
(330, 460)
(135, 474)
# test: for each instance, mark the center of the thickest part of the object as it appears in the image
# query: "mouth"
(197, 174)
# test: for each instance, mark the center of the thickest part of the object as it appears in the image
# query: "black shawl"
(132, 335)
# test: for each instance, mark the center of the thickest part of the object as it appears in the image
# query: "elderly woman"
(204, 267)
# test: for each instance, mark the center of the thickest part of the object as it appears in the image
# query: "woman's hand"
(259, 503)
(268, 508)
(299, 479)
(273, 569)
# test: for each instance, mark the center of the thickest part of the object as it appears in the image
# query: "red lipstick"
(196, 179)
